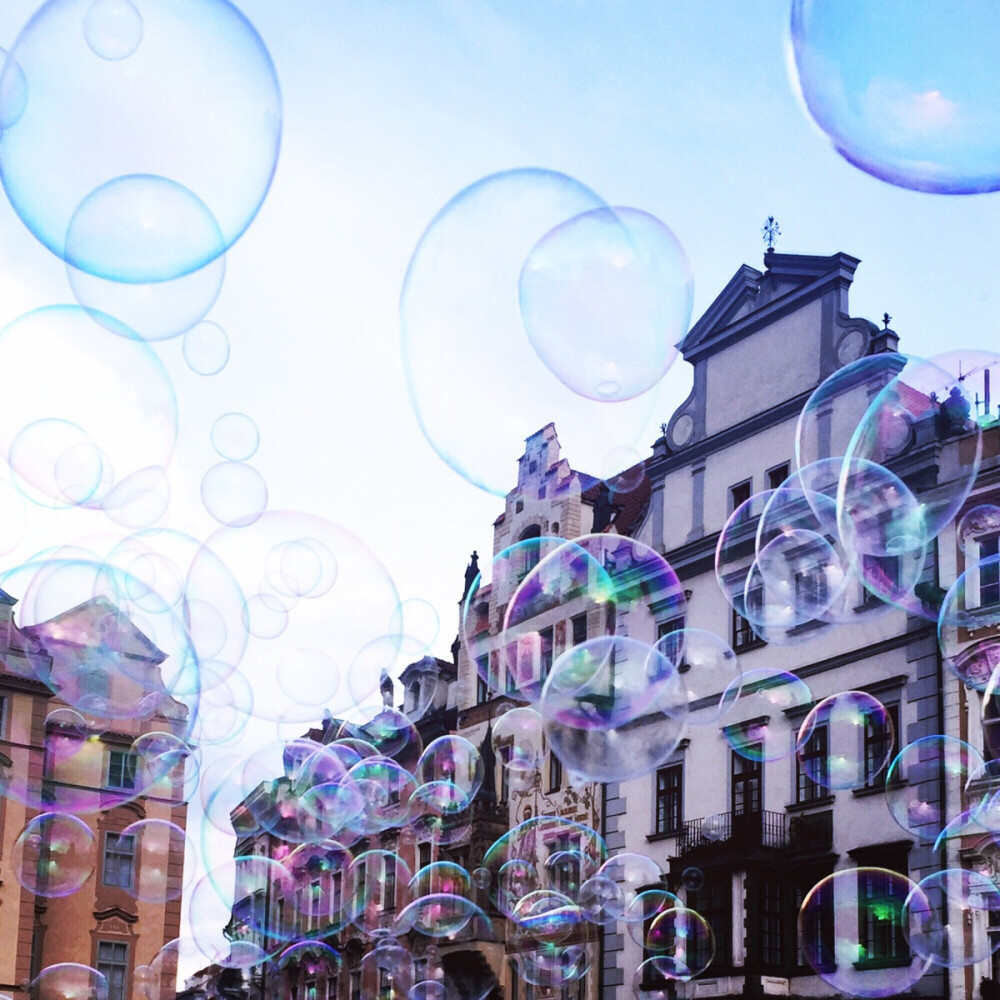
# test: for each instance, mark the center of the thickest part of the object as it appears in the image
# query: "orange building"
(92, 810)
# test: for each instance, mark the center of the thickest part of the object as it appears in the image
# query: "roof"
(630, 492)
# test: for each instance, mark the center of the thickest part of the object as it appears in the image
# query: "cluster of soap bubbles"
(576, 304)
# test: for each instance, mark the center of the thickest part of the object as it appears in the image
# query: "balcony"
(756, 829)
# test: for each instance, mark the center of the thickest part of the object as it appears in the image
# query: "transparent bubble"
(601, 901)
(632, 874)
(82, 410)
(568, 870)
(158, 844)
(376, 887)
(459, 301)
(652, 981)
(708, 669)
(385, 789)
(760, 730)
(140, 500)
(319, 866)
(393, 959)
(912, 783)
(614, 708)
(438, 915)
(684, 940)
(923, 125)
(616, 285)
(601, 573)
(234, 493)
(546, 916)
(68, 981)
(839, 741)
(301, 567)
(518, 739)
(112, 28)
(452, 759)
(308, 676)
(692, 879)
(929, 401)
(643, 910)
(937, 912)
(553, 966)
(833, 920)
(877, 513)
(481, 878)
(235, 437)
(54, 855)
(970, 613)
(208, 154)
(206, 348)
(13, 90)
(315, 958)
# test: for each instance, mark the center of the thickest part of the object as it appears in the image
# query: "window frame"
(125, 780)
(103, 964)
(122, 862)
(784, 468)
(555, 772)
(663, 794)
(735, 493)
(817, 747)
(876, 781)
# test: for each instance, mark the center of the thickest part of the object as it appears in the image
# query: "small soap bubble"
(55, 855)
(113, 28)
(235, 437)
(206, 348)
(234, 493)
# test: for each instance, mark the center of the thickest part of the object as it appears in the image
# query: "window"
(3, 716)
(121, 770)
(424, 854)
(669, 799)
(119, 860)
(819, 917)
(714, 902)
(880, 747)
(744, 637)
(989, 575)
(331, 988)
(355, 984)
(112, 963)
(671, 625)
(336, 892)
(772, 922)
(546, 660)
(482, 672)
(812, 767)
(880, 920)
(315, 907)
(504, 754)
(579, 624)
(384, 985)
(777, 475)
(555, 773)
(739, 493)
(746, 781)
(531, 546)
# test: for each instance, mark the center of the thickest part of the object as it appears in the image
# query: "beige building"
(100, 884)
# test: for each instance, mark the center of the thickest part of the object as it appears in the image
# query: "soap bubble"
(13, 90)
(234, 493)
(375, 889)
(546, 916)
(113, 28)
(54, 855)
(708, 669)
(235, 437)
(605, 297)
(68, 981)
(969, 615)
(924, 124)
(760, 730)
(833, 936)
(206, 348)
(158, 845)
(459, 302)
(614, 708)
(631, 874)
(517, 740)
(684, 941)
(81, 410)
(152, 188)
(643, 910)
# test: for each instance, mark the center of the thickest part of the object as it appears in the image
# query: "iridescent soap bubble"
(970, 613)
(877, 512)
(112, 28)
(845, 741)
(643, 910)
(938, 909)
(553, 966)
(13, 90)
(614, 708)
(206, 348)
(831, 926)
(709, 670)
(452, 759)
(760, 730)
(518, 740)
(375, 888)
(140, 500)
(235, 437)
(206, 156)
(159, 843)
(632, 874)
(924, 124)
(546, 916)
(913, 780)
(54, 855)
(605, 298)
(438, 915)
(68, 981)
(234, 493)
(385, 788)
(459, 301)
(81, 410)
(684, 941)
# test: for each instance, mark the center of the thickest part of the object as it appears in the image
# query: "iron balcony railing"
(752, 829)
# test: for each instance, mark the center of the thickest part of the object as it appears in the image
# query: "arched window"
(530, 547)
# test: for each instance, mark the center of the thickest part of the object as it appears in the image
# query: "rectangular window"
(331, 988)
(746, 782)
(777, 475)
(384, 985)
(112, 963)
(119, 860)
(336, 891)
(740, 493)
(715, 903)
(121, 770)
(669, 799)
(424, 854)
(671, 625)
(772, 922)
(579, 629)
(812, 767)
(482, 672)
(880, 746)
(744, 637)
(547, 647)
(817, 922)
(555, 773)
(989, 575)
(355, 984)
(880, 919)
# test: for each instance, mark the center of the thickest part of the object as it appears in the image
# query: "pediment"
(95, 623)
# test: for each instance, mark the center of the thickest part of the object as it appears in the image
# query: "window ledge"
(666, 835)
(883, 963)
(797, 807)
(862, 793)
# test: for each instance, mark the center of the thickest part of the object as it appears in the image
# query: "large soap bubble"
(146, 146)
(459, 304)
(605, 298)
(923, 110)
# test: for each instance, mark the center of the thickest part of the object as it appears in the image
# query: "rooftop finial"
(886, 320)
(770, 231)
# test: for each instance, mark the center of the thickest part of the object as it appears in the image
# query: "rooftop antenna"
(770, 231)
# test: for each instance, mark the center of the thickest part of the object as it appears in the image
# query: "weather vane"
(886, 320)
(770, 231)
